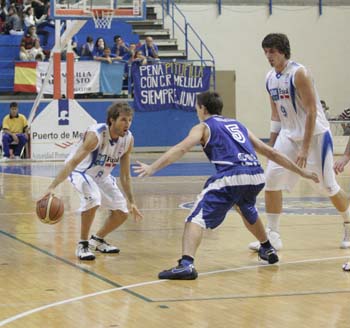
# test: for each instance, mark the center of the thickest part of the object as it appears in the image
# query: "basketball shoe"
(83, 252)
(268, 254)
(99, 244)
(274, 238)
(346, 241)
(180, 272)
(346, 266)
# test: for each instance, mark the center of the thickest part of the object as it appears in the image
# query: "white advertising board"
(57, 128)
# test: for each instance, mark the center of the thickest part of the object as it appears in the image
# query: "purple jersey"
(228, 145)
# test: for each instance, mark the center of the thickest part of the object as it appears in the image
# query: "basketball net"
(102, 17)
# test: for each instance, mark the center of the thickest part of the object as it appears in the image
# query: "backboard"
(83, 9)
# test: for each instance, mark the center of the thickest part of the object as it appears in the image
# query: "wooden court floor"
(42, 284)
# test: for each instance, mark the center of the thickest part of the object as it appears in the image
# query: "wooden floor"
(42, 284)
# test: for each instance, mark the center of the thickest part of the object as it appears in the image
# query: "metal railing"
(201, 52)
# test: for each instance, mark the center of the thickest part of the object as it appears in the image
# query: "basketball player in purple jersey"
(237, 182)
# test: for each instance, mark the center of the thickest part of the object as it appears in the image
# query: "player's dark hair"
(211, 101)
(277, 41)
(13, 104)
(116, 109)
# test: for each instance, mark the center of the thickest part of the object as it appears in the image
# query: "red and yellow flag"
(25, 77)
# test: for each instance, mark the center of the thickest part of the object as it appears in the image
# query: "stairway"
(152, 26)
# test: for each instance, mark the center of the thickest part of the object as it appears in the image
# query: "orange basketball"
(50, 209)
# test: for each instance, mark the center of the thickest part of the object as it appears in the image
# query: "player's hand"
(47, 193)
(142, 169)
(310, 175)
(340, 164)
(301, 159)
(135, 212)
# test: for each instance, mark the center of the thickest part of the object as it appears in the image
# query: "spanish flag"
(25, 77)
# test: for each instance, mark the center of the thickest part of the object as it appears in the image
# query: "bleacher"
(9, 51)
(10, 45)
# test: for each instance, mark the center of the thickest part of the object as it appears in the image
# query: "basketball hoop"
(102, 17)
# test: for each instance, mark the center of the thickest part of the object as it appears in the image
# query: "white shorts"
(104, 192)
(320, 161)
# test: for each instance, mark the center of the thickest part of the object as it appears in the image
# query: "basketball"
(50, 209)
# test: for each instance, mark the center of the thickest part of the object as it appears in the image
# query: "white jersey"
(101, 161)
(281, 88)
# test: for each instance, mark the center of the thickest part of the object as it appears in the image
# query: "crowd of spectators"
(30, 17)
(27, 18)
(120, 50)
(17, 15)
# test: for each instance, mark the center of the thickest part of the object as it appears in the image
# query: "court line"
(152, 282)
(94, 274)
(233, 297)
(70, 300)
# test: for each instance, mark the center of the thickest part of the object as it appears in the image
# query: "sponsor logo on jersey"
(105, 160)
(284, 93)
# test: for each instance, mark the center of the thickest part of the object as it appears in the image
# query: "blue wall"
(150, 129)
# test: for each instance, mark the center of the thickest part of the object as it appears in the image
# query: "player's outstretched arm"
(173, 154)
(340, 164)
(89, 144)
(125, 180)
(280, 158)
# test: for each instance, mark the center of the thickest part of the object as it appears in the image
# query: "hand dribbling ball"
(50, 209)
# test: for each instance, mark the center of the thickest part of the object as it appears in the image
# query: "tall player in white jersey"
(89, 167)
(300, 130)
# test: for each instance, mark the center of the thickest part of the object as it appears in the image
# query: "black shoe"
(179, 273)
(268, 254)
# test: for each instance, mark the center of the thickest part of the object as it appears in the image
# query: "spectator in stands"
(119, 49)
(107, 56)
(3, 15)
(140, 58)
(41, 7)
(100, 45)
(36, 53)
(129, 56)
(27, 43)
(345, 116)
(88, 47)
(74, 44)
(13, 23)
(15, 136)
(30, 19)
(149, 49)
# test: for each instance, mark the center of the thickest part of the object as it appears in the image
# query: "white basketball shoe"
(346, 266)
(274, 238)
(346, 241)
(99, 244)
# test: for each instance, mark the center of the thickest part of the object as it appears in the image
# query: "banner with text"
(168, 85)
(86, 77)
(89, 77)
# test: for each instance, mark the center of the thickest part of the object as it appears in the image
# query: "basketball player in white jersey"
(300, 130)
(339, 166)
(89, 167)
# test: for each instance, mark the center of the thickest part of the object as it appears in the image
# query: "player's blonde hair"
(116, 109)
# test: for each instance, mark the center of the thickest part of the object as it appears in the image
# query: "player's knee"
(251, 220)
(119, 215)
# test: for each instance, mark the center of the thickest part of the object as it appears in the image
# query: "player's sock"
(346, 215)
(273, 221)
(266, 244)
(186, 260)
